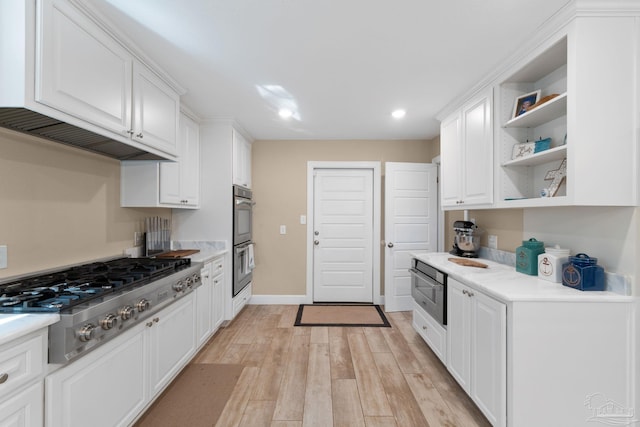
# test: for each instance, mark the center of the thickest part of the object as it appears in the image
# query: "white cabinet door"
(466, 149)
(241, 160)
(189, 161)
(23, 409)
(477, 134)
(180, 181)
(204, 306)
(476, 348)
(156, 110)
(173, 341)
(218, 301)
(82, 71)
(451, 158)
(459, 333)
(103, 388)
(488, 357)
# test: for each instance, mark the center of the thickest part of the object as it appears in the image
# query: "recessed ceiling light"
(285, 113)
(398, 114)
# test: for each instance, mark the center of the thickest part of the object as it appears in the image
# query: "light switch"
(303, 219)
(3, 256)
(283, 229)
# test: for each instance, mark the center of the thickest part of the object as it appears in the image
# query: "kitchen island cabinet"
(566, 351)
(113, 385)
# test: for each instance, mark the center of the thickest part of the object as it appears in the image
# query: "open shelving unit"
(521, 180)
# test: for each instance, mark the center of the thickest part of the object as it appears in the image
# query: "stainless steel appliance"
(242, 238)
(429, 290)
(242, 215)
(466, 241)
(100, 300)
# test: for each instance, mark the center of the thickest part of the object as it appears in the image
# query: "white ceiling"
(343, 65)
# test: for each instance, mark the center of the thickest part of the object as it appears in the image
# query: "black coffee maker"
(466, 241)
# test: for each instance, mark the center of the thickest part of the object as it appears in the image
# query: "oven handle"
(244, 202)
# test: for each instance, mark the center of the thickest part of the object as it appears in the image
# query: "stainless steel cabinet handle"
(316, 232)
(4, 377)
(316, 242)
(390, 245)
(140, 135)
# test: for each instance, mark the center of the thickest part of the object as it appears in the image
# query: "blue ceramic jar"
(582, 272)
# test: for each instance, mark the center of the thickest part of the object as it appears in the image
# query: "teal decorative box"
(541, 145)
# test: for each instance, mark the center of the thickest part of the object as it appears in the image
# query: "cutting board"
(179, 253)
(468, 262)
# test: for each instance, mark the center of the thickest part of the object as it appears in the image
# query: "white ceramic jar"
(550, 263)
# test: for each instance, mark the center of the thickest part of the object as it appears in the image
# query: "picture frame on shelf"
(525, 102)
(523, 149)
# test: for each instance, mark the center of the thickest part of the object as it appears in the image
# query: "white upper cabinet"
(156, 108)
(241, 160)
(69, 77)
(82, 70)
(466, 149)
(145, 183)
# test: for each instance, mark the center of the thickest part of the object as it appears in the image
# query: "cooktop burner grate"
(83, 284)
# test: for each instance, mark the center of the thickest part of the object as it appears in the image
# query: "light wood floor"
(334, 376)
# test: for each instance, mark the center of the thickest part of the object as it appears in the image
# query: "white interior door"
(343, 235)
(411, 220)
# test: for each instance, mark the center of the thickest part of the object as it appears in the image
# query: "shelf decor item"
(556, 176)
(542, 144)
(523, 149)
(525, 102)
(543, 100)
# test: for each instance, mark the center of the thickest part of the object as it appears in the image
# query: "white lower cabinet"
(112, 385)
(240, 300)
(476, 348)
(210, 300)
(22, 363)
(23, 409)
(431, 331)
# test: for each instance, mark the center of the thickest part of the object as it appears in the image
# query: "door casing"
(377, 180)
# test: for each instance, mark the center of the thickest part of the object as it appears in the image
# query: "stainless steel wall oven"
(429, 290)
(243, 261)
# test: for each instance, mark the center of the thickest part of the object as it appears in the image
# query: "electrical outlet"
(3, 256)
(283, 229)
(138, 238)
(303, 219)
(493, 241)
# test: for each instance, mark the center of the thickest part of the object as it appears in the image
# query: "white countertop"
(207, 255)
(14, 326)
(504, 283)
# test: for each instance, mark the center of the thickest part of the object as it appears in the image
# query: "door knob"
(316, 242)
(390, 245)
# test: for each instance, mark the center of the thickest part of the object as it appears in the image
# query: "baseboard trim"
(278, 299)
(285, 299)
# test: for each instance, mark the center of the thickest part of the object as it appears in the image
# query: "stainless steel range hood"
(32, 123)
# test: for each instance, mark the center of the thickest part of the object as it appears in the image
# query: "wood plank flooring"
(334, 376)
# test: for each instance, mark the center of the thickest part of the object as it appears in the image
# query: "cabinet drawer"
(217, 267)
(21, 361)
(240, 300)
(431, 331)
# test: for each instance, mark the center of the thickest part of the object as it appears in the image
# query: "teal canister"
(527, 256)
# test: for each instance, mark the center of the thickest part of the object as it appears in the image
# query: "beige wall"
(279, 170)
(506, 224)
(60, 205)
